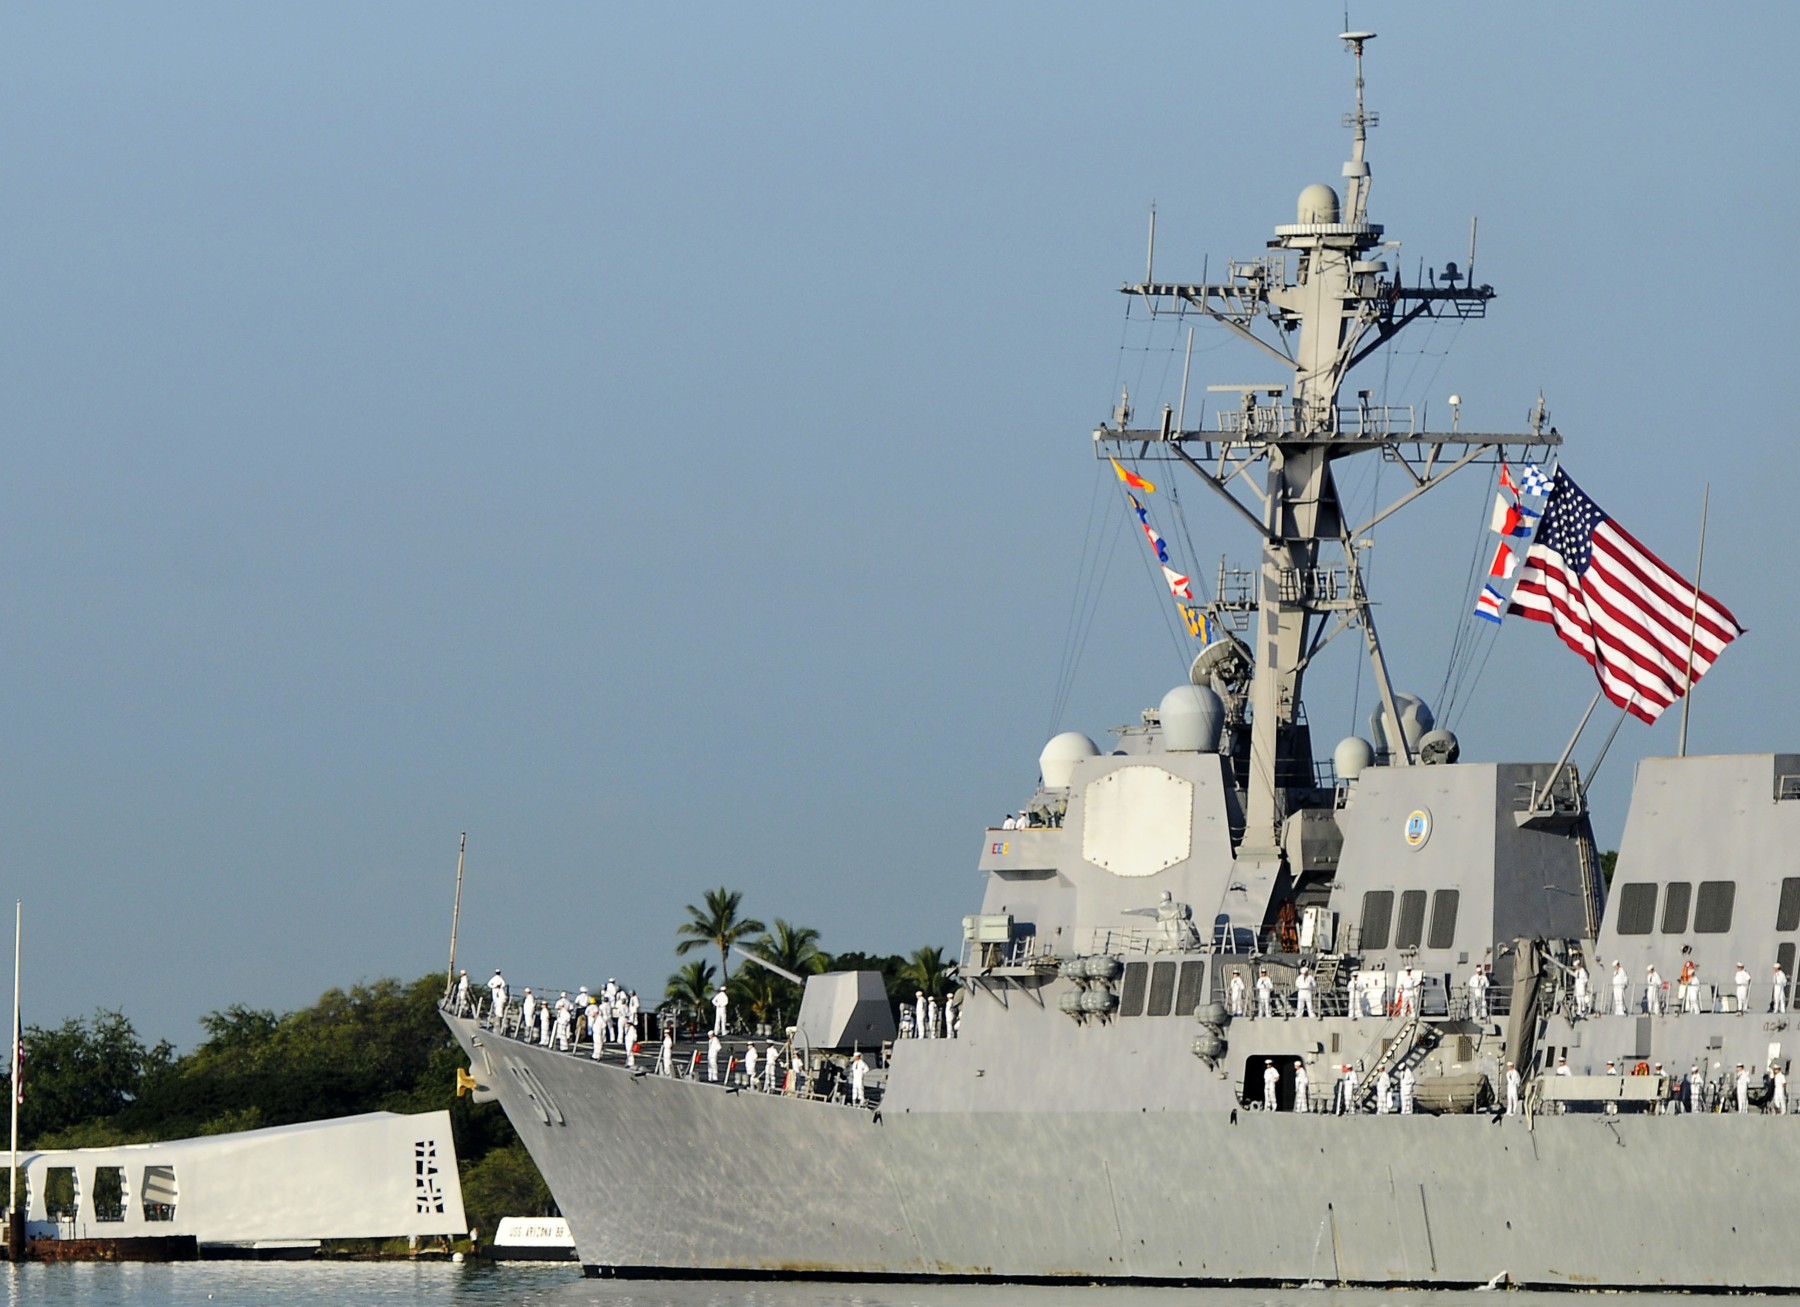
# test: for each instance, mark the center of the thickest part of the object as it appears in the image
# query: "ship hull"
(663, 1176)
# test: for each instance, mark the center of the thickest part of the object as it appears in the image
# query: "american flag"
(1618, 605)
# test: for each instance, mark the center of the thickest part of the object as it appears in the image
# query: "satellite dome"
(1192, 719)
(1415, 721)
(1352, 757)
(1318, 203)
(1439, 747)
(1057, 762)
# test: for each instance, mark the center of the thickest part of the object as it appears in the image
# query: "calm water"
(222, 1284)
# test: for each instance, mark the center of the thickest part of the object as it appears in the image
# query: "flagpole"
(1694, 622)
(462, 847)
(15, 1219)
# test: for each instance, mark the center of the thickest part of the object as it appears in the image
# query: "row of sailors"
(1367, 996)
(1345, 1093)
(609, 1017)
(1691, 1092)
(922, 1019)
(1654, 998)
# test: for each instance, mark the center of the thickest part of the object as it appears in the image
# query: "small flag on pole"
(1488, 604)
(1178, 584)
(1506, 481)
(1511, 519)
(1535, 482)
(1138, 508)
(1156, 543)
(1505, 561)
(1132, 479)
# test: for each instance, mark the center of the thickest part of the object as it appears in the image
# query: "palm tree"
(692, 986)
(718, 924)
(793, 948)
(927, 969)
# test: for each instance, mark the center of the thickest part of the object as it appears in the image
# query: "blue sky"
(656, 441)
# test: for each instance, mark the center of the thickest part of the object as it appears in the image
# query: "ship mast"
(1320, 302)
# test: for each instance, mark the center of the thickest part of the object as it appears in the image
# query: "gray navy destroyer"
(1103, 1111)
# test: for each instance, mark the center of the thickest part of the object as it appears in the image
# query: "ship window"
(1192, 987)
(1787, 916)
(109, 1193)
(1637, 908)
(1712, 910)
(1378, 911)
(1162, 988)
(1443, 918)
(1785, 956)
(160, 1193)
(1131, 994)
(1412, 919)
(61, 1198)
(1675, 907)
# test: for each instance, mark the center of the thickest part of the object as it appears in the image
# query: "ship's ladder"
(1406, 1047)
(1327, 971)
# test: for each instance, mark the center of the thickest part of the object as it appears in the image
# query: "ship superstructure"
(1132, 1091)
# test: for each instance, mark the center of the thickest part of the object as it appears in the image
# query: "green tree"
(1609, 862)
(503, 1183)
(692, 987)
(84, 1071)
(717, 923)
(927, 969)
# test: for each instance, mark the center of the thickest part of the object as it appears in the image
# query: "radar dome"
(1192, 719)
(1318, 203)
(1352, 757)
(1415, 721)
(1439, 747)
(1056, 764)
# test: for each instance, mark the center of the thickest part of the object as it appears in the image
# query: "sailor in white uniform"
(750, 1065)
(1478, 992)
(771, 1060)
(1696, 1089)
(1653, 995)
(596, 1028)
(931, 1017)
(712, 1057)
(1693, 994)
(1265, 990)
(906, 1025)
(1383, 1087)
(1408, 1082)
(1778, 1100)
(497, 997)
(859, 1071)
(1300, 1087)
(462, 993)
(1620, 981)
(1271, 1082)
(1304, 985)
(1512, 1090)
(918, 1014)
(721, 1001)
(1584, 991)
(1741, 980)
(1780, 983)
(564, 1010)
(665, 1061)
(1406, 992)
(1742, 1082)
(544, 1025)
(1009, 823)
(1347, 1087)
(527, 1013)
(1234, 993)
